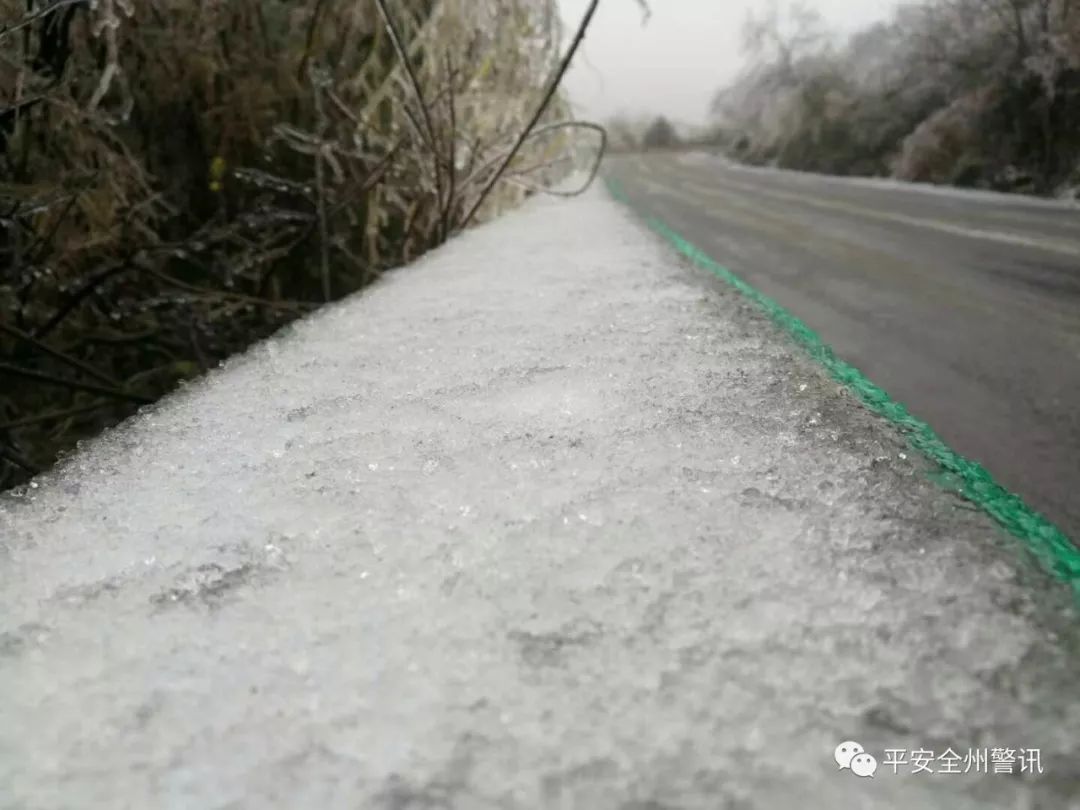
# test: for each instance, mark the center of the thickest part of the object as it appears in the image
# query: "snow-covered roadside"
(547, 519)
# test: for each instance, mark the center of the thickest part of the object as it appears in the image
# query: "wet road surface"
(965, 307)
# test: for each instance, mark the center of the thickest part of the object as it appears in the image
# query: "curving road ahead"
(964, 306)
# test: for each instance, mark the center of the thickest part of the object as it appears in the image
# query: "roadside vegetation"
(181, 178)
(976, 93)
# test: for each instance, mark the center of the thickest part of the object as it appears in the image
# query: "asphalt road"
(963, 306)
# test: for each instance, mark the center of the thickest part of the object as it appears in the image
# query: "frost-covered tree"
(660, 135)
(981, 92)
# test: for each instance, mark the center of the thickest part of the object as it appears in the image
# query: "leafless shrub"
(179, 178)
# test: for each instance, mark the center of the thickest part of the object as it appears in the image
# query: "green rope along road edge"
(968, 478)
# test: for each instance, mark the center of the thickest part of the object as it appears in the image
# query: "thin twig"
(371, 180)
(45, 240)
(120, 339)
(108, 24)
(480, 170)
(451, 157)
(553, 85)
(592, 173)
(221, 294)
(52, 415)
(193, 333)
(320, 185)
(312, 27)
(395, 38)
(45, 11)
(14, 458)
(49, 379)
(87, 289)
(44, 348)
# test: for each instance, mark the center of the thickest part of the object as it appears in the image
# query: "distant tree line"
(980, 93)
(629, 133)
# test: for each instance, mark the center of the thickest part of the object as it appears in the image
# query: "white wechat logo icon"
(853, 756)
(845, 752)
(863, 765)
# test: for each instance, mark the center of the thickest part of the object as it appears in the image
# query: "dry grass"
(180, 178)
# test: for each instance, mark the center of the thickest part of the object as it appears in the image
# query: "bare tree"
(968, 91)
(660, 135)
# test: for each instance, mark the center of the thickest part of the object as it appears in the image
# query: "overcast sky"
(673, 64)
